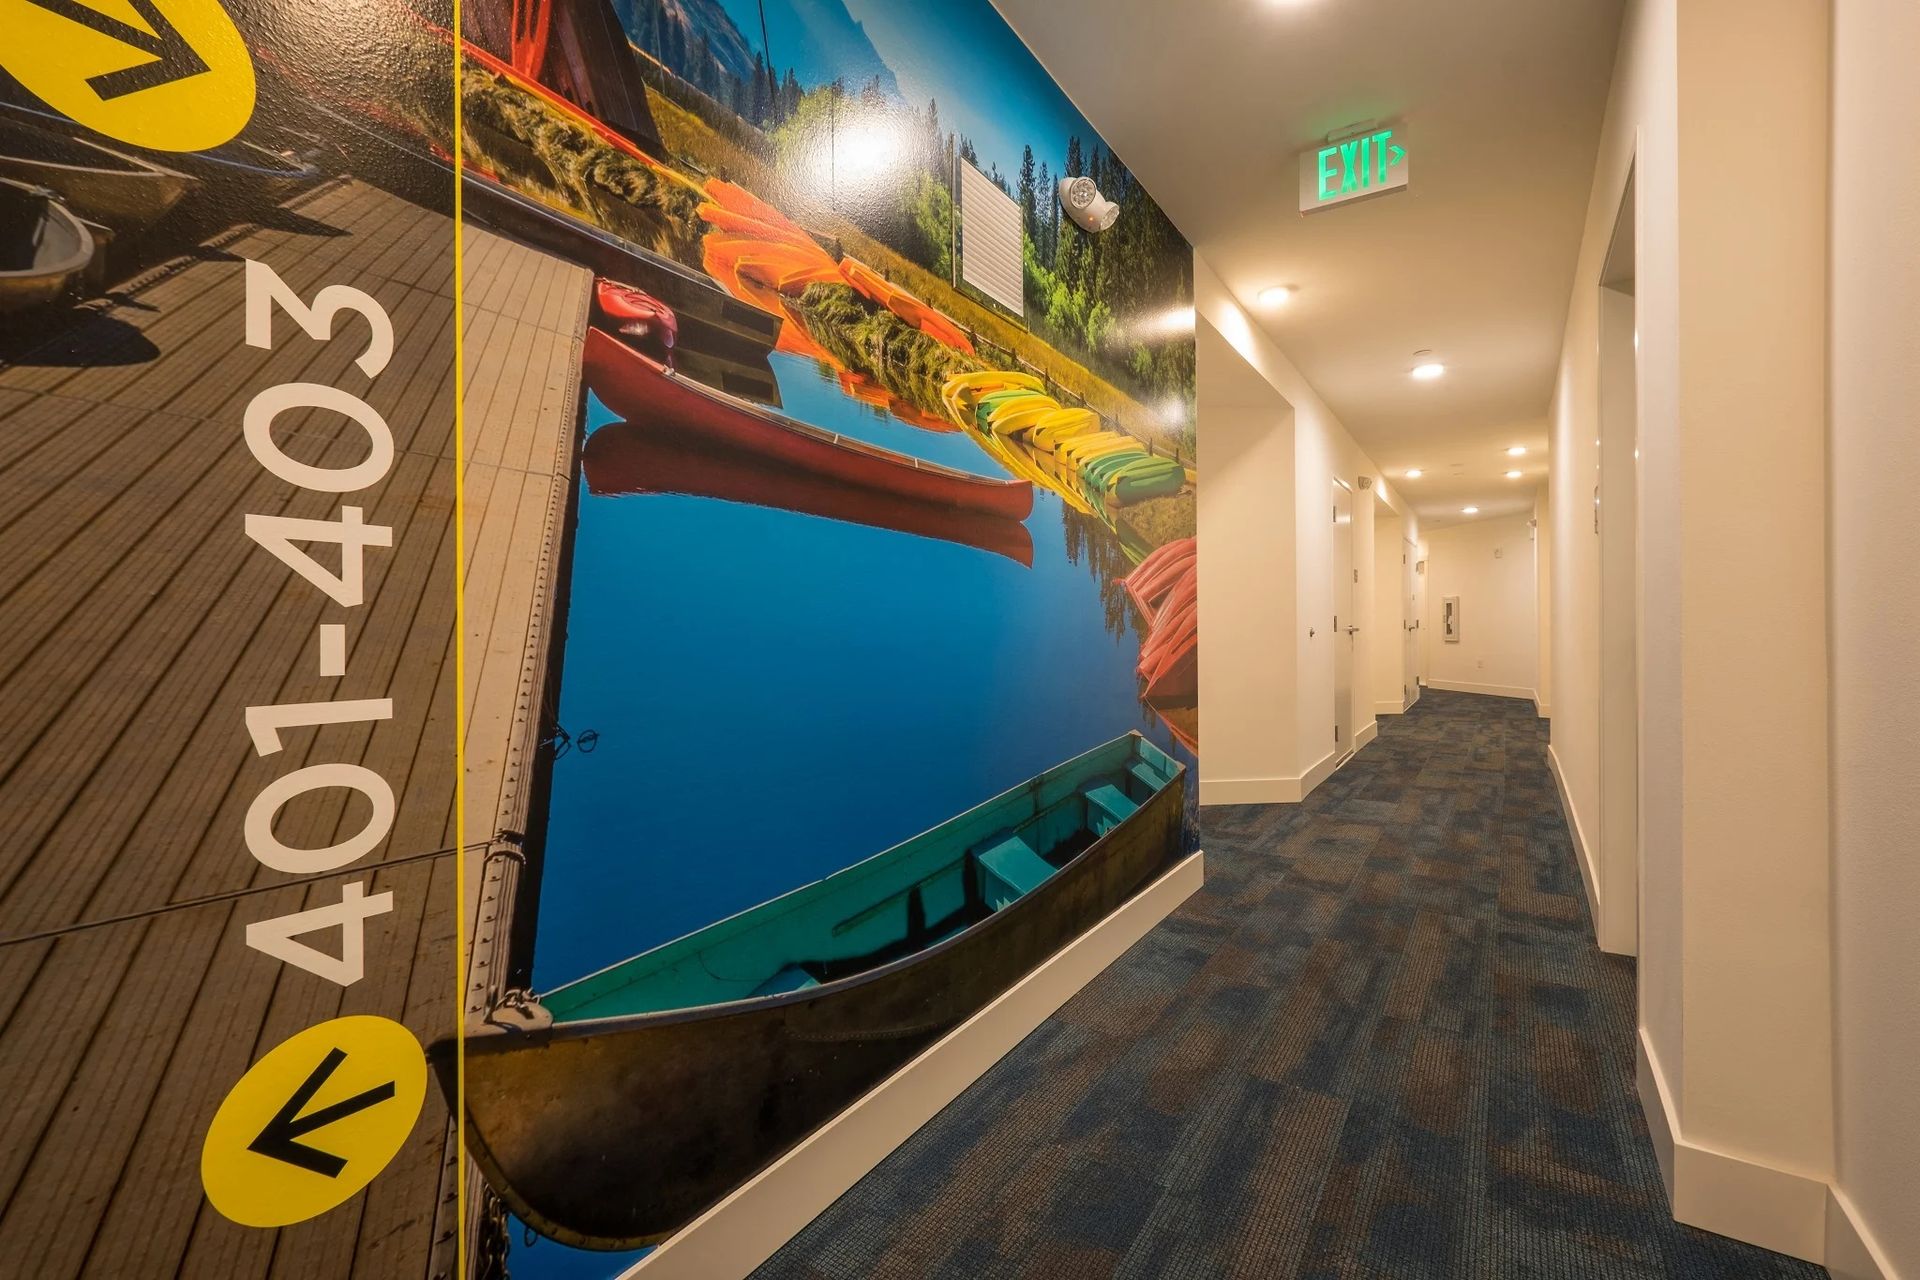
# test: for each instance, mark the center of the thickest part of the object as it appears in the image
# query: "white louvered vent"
(990, 232)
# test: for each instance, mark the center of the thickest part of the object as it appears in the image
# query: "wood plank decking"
(136, 623)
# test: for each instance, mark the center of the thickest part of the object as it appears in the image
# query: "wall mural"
(830, 649)
(881, 657)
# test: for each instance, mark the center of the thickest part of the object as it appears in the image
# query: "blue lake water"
(777, 696)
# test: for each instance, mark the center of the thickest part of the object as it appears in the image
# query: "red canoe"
(644, 390)
(632, 458)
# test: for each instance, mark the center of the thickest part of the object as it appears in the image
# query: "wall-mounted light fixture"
(1086, 206)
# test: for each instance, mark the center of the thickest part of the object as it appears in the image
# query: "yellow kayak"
(1062, 424)
(960, 392)
(1083, 449)
(1019, 415)
(1022, 465)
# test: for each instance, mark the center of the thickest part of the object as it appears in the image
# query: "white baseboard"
(1494, 690)
(1249, 791)
(1392, 708)
(1583, 850)
(742, 1231)
(1852, 1252)
(1283, 790)
(1726, 1194)
(1320, 772)
(1657, 1104)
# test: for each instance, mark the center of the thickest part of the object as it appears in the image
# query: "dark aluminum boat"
(609, 1112)
(239, 171)
(43, 247)
(100, 184)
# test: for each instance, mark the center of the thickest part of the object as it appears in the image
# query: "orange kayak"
(878, 289)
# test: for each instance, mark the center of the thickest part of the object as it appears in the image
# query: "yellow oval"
(293, 1111)
(55, 55)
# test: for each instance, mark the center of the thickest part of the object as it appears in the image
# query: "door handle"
(1351, 630)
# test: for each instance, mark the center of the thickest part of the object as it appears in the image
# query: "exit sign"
(1367, 164)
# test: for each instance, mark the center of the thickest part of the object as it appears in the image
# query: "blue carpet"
(1379, 1042)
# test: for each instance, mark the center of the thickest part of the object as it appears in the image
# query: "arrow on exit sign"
(1366, 164)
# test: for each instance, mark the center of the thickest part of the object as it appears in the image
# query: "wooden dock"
(137, 622)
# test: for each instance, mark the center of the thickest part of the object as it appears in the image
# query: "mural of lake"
(788, 646)
(777, 695)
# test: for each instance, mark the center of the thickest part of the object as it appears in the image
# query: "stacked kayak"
(762, 255)
(1166, 587)
(1005, 405)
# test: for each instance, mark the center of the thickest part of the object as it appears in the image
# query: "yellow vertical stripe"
(460, 673)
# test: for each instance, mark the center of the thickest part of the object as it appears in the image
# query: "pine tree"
(1029, 209)
(1043, 219)
(761, 112)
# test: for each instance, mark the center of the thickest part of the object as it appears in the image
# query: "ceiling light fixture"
(1469, 511)
(1513, 475)
(1518, 451)
(1277, 296)
(1425, 367)
(1415, 473)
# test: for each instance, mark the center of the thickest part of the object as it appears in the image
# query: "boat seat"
(1147, 776)
(1107, 801)
(791, 978)
(1015, 870)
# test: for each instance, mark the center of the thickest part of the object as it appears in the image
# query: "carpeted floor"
(1379, 1042)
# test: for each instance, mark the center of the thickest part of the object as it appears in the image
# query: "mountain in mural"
(695, 39)
(821, 42)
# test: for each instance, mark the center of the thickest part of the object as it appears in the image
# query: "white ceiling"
(1210, 102)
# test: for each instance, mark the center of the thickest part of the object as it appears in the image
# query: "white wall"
(1543, 599)
(1875, 469)
(1489, 565)
(1735, 992)
(1247, 594)
(1388, 679)
(1269, 452)
(1639, 137)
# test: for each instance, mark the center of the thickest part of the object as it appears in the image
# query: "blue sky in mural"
(949, 52)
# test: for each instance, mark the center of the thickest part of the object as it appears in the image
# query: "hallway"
(1379, 1042)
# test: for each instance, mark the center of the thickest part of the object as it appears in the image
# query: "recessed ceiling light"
(1429, 371)
(1415, 473)
(1513, 475)
(1469, 511)
(1276, 296)
(1518, 451)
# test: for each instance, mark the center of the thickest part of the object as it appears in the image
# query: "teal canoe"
(610, 1111)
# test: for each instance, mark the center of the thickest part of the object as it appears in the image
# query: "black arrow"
(172, 57)
(277, 1140)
